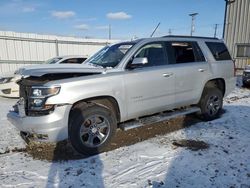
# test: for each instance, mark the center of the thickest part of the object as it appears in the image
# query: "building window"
(243, 50)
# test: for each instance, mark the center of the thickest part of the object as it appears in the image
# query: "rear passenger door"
(190, 70)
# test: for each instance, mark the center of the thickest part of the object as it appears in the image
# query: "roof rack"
(183, 36)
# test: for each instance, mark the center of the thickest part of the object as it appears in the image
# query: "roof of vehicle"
(182, 37)
(194, 37)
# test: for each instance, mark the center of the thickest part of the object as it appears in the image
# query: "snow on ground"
(9, 138)
(151, 163)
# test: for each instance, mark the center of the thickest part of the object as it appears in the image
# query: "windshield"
(53, 60)
(110, 56)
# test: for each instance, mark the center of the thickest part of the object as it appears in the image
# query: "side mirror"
(140, 61)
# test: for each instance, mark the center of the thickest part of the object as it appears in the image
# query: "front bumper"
(52, 127)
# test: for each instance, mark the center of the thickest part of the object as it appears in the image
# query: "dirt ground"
(64, 151)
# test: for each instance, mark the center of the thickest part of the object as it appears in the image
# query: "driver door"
(150, 88)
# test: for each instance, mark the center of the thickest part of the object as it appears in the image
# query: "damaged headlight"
(39, 95)
(5, 80)
(42, 92)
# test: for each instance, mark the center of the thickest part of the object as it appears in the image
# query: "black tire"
(245, 85)
(211, 103)
(91, 124)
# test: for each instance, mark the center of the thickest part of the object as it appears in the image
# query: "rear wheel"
(211, 103)
(91, 129)
(245, 84)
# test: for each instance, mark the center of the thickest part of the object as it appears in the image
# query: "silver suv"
(120, 85)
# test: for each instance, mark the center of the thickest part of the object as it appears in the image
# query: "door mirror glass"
(140, 61)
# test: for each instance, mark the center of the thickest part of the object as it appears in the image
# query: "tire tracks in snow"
(147, 167)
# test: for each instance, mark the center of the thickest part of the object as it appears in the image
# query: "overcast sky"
(129, 18)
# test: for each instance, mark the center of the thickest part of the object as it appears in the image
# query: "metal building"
(19, 49)
(237, 30)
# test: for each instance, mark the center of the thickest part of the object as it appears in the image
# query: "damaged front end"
(35, 117)
(28, 137)
(34, 93)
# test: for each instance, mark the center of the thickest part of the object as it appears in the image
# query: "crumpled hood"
(40, 70)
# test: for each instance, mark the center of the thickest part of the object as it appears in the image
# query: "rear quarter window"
(219, 51)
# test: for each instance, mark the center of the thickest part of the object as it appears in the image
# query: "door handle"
(201, 70)
(167, 74)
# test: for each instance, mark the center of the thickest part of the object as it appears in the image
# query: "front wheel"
(211, 103)
(91, 129)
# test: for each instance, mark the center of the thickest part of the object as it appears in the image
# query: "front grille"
(40, 112)
(24, 92)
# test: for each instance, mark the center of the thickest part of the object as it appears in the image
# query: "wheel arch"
(218, 83)
(108, 102)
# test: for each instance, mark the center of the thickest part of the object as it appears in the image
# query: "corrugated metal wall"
(18, 49)
(11, 67)
(237, 28)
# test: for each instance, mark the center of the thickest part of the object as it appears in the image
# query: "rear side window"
(184, 52)
(219, 51)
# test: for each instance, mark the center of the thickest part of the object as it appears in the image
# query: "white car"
(75, 59)
(9, 87)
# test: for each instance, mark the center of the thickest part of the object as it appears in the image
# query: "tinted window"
(219, 51)
(74, 60)
(184, 52)
(81, 60)
(155, 54)
(53, 60)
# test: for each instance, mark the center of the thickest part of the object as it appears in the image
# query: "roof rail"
(183, 36)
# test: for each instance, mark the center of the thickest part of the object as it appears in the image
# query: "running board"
(157, 118)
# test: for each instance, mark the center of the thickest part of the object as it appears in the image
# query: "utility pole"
(170, 31)
(109, 32)
(215, 30)
(193, 15)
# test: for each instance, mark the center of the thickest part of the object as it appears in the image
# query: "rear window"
(219, 51)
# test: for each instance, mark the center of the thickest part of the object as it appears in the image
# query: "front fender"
(77, 90)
